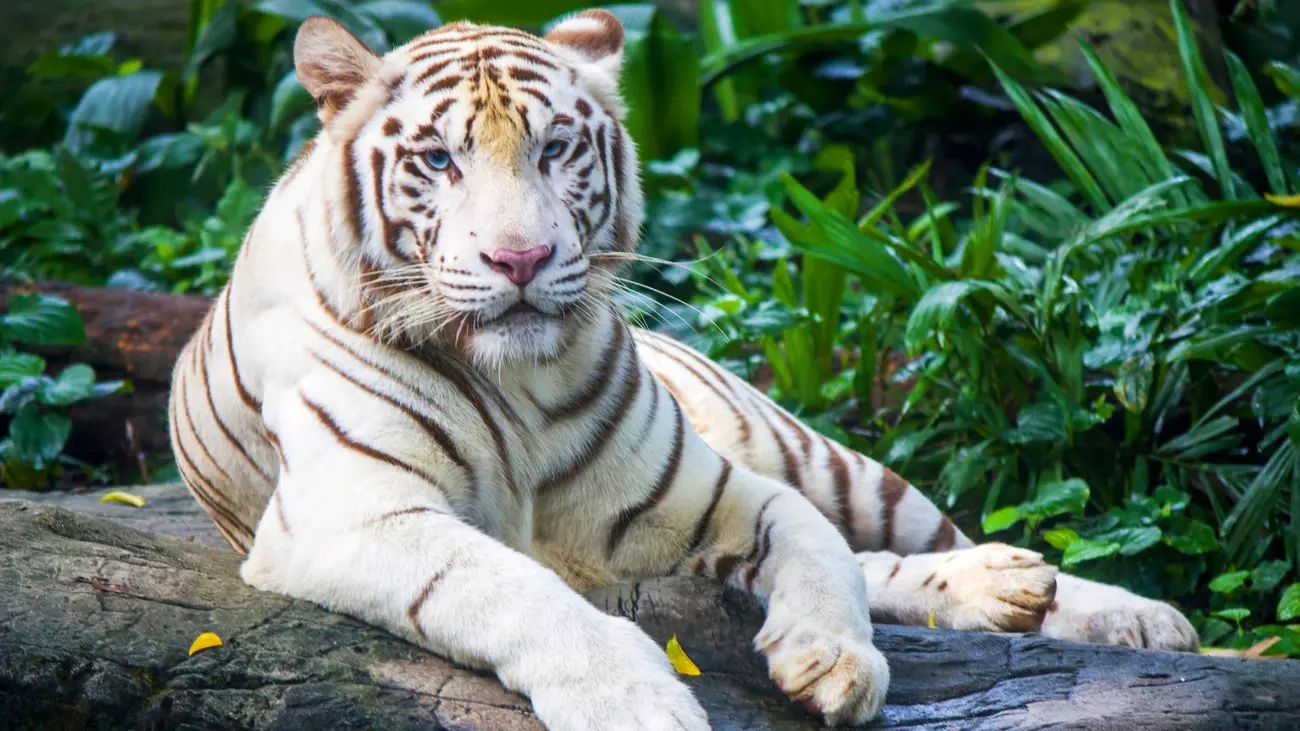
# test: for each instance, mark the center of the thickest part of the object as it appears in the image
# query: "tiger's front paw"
(626, 685)
(1086, 611)
(836, 675)
(996, 588)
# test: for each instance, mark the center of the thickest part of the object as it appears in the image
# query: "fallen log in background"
(96, 619)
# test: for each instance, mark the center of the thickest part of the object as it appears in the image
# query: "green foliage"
(37, 403)
(1109, 367)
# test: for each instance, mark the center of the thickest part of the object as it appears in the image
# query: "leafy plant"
(37, 403)
(1111, 365)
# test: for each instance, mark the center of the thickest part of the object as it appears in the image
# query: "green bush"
(36, 403)
(1106, 369)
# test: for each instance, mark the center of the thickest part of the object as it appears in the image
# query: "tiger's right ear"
(332, 64)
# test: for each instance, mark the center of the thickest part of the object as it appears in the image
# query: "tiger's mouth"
(522, 312)
(522, 308)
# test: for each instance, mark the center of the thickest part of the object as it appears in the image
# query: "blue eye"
(553, 148)
(438, 159)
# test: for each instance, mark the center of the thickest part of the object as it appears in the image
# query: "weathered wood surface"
(96, 619)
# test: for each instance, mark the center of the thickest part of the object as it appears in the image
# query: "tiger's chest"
(551, 487)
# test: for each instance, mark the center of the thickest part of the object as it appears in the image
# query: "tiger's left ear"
(596, 36)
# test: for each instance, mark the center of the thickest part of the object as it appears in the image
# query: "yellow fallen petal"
(125, 498)
(204, 641)
(930, 623)
(677, 656)
(1289, 201)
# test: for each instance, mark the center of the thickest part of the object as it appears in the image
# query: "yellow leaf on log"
(205, 641)
(124, 498)
(677, 656)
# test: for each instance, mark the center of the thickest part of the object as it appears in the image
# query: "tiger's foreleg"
(765, 538)
(371, 537)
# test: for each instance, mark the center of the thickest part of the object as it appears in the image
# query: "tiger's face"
(487, 181)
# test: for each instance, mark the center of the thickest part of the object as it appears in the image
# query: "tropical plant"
(1111, 365)
(37, 403)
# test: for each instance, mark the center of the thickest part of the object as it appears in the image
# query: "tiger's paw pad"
(997, 588)
(834, 675)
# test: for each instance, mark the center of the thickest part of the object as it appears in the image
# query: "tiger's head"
(486, 186)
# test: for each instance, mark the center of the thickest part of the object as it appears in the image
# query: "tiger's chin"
(524, 337)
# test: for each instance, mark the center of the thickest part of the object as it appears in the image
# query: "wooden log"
(96, 619)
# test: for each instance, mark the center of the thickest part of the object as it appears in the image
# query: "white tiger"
(415, 403)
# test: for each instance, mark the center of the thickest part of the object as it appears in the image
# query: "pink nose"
(519, 266)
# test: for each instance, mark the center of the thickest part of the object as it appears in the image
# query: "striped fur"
(389, 426)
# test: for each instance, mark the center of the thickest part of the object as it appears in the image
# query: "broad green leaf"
(53, 64)
(1133, 541)
(1229, 582)
(1268, 575)
(840, 241)
(1001, 519)
(16, 367)
(935, 311)
(1039, 423)
(1133, 382)
(1039, 27)
(1286, 77)
(42, 319)
(1084, 550)
(659, 83)
(1289, 607)
(296, 11)
(118, 103)
(75, 383)
(1234, 614)
(39, 435)
(1055, 498)
(1060, 538)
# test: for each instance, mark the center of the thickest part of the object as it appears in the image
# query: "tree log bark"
(96, 619)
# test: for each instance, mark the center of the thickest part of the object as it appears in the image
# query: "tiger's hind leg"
(892, 524)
